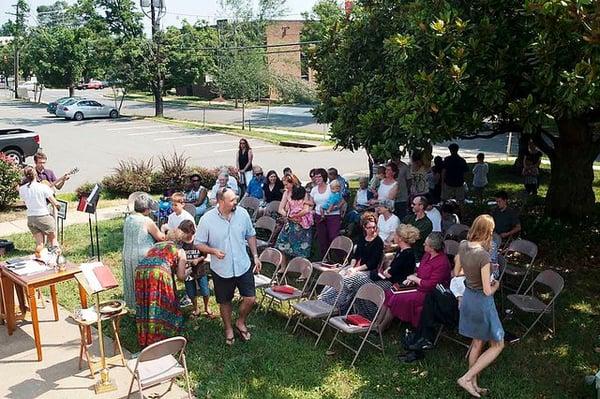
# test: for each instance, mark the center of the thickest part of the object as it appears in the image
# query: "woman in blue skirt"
(478, 315)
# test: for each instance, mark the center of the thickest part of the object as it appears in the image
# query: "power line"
(259, 46)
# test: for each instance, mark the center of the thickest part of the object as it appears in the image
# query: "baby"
(335, 198)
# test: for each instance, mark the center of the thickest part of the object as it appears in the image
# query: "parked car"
(19, 144)
(89, 109)
(92, 84)
(51, 108)
(60, 108)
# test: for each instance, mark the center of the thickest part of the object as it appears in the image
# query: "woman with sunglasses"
(244, 162)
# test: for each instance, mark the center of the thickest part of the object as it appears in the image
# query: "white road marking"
(133, 128)
(189, 136)
(160, 131)
(211, 142)
(253, 147)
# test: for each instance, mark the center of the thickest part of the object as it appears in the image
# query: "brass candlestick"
(105, 384)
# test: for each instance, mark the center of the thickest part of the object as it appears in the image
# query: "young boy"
(196, 281)
(335, 198)
(178, 215)
(480, 180)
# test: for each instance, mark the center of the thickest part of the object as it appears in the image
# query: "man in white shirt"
(434, 215)
(223, 181)
(179, 214)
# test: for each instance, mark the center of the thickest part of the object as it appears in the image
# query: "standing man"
(223, 232)
(419, 220)
(453, 175)
(47, 175)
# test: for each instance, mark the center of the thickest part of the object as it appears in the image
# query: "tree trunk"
(71, 90)
(523, 146)
(158, 99)
(570, 194)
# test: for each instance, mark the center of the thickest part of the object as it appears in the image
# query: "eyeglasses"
(259, 174)
(370, 227)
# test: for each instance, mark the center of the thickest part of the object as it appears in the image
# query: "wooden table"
(30, 283)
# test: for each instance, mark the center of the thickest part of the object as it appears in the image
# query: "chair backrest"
(451, 247)
(330, 278)
(340, 243)
(372, 293)
(272, 256)
(387, 259)
(272, 208)
(457, 230)
(190, 208)
(169, 346)
(265, 222)
(250, 202)
(550, 279)
(299, 265)
(524, 247)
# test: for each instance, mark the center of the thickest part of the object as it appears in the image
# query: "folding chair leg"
(297, 324)
(523, 279)
(333, 340)
(381, 342)
(130, 387)
(360, 348)
(321, 333)
(438, 335)
(140, 388)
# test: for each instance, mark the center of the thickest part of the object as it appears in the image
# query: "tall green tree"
(402, 74)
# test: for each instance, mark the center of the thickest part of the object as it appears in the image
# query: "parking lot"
(96, 146)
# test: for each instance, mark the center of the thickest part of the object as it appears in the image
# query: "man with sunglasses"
(420, 220)
(255, 186)
(223, 233)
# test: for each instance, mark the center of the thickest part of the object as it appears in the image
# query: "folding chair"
(158, 363)
(367, 292)
(297, 266)
(457, 232)
(264, 225)
(250, 204)
(315, 309)
(532, 301)
(269, 256)
(338, 253)
(451, 249)
(272, 209)
(518, 248)
(190, 208)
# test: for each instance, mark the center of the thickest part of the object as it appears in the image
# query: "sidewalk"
(73, 217)
(58, 376)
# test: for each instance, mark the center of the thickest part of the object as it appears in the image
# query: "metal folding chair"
(338, 253)
(272, 209)
(519, 248)
(315, 309)
(250, 204)
(457, 232)
(368, 292)
(160, 362)
(299, 267)
(269, 256)
(532, 301)
(190, 208)
(265, 224)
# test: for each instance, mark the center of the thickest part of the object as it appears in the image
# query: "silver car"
(60, 108)
(81, 109)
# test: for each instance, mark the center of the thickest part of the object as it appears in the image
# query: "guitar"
(62, 179)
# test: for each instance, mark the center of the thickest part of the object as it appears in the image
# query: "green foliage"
(10, 178)
(84, 190)
(243, 76)
(172, 173)
(400, 74)
(130, 176)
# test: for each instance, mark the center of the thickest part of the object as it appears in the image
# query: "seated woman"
(273, 187)
(158, 315)
(361, 203)
(139, 234)
(387, 223)
(197, 195)
(434, 269)
(366, 259)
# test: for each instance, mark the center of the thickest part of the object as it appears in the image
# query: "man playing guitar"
(47, 175)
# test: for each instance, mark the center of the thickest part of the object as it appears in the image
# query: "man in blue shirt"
(223, 232)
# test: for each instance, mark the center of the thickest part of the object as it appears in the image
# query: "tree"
(56, 14)
(398, 75)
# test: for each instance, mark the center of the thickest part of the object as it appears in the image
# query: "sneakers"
(185, 302)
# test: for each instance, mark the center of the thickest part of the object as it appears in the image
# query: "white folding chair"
(517, 249)
(299, 267)
(160, 362)
(367, 292)
(315, 309)
(190, 208)
(262, 225)
(131, 200)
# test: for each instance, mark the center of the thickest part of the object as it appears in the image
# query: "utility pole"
(157, 11)
(20, 10)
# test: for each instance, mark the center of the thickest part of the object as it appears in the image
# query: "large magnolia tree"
(408, 73)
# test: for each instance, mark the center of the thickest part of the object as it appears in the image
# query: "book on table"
(96, 277)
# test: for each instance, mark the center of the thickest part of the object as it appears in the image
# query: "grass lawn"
(276, 364)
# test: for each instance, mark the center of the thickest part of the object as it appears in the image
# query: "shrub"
(84, 190)
(208, 176)
(10, 177)
(130, 176)
(172, 173)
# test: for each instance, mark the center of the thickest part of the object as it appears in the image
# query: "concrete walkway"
(58, 376)
(73, 217)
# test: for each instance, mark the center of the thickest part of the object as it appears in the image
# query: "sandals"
(209, 315)
(245, 335)
(230, 341)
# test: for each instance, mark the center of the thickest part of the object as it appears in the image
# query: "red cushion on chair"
(358, 320)
(284, 289)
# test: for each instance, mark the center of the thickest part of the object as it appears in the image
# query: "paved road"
(96, 146)
(296, 117)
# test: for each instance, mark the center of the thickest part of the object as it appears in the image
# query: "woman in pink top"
(295, 237)
(434, 269)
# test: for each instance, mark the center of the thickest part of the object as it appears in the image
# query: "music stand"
(88, 205)
(61, 215)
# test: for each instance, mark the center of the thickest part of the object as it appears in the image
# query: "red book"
(105, 277)
(358, 320)
(82, 204)
(284, 289)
